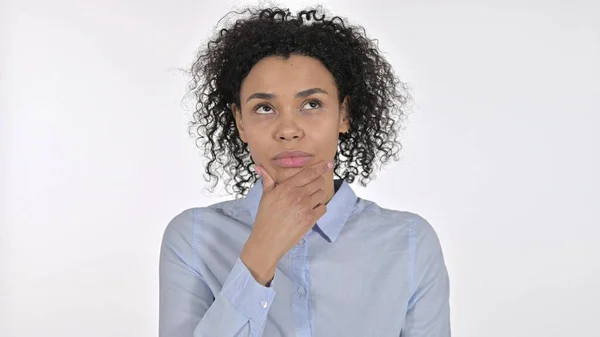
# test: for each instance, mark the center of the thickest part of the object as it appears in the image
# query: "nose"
(288, 128)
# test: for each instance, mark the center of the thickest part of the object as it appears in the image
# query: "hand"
(287, 211)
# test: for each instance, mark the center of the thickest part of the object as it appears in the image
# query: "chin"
(286, 173)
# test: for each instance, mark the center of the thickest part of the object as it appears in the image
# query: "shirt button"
(264, 304)
(301, 291)
(301, 242)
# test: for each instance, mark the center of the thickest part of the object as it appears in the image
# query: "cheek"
(257, 142)
(326, 137)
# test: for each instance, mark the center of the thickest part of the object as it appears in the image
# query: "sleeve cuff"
(248, 296)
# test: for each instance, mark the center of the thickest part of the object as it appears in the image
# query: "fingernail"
(330, 164)
(257, 170)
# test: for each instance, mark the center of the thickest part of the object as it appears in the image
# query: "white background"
(501, 155)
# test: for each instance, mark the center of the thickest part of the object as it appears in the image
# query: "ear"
(237, 113)
(345, 115)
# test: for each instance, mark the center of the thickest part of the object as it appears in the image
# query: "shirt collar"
(330, 224)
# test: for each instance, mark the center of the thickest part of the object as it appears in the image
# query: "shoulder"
(419, 230)
(183, 226)
(370, 210)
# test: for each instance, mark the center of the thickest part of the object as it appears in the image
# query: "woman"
(298, 100)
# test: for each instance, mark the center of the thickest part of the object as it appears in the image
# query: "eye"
(266, 109)
(313, 104)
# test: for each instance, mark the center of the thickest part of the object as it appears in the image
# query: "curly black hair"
(377, 98)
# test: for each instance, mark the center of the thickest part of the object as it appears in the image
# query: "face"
(289, 114)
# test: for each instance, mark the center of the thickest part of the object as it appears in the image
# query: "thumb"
(267, 181)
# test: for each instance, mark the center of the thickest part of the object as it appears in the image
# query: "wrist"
(259, 264)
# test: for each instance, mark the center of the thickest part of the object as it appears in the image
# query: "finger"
(317, 198)
(313, 186)
(310, 173)
(319, 211)
(267, 181)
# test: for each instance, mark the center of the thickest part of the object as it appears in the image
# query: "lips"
(290, 159)
(292, 154)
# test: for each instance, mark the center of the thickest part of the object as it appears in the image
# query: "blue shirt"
(362, 271)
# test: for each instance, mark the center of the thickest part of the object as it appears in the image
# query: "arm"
(188, 307)
(428, 312)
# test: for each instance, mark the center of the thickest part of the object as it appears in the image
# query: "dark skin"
(370, 98)
(301, 112)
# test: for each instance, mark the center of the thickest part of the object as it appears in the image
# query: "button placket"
(299, 266)
(301, 291)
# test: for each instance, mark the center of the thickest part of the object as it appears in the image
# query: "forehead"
(275, 74)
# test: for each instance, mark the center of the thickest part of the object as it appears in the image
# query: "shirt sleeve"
(428, 313)
(187, 306)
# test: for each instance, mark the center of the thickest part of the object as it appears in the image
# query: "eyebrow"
(303, 93)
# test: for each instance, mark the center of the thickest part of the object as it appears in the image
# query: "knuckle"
(280, 193)
(302, 213)
(306, 208)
